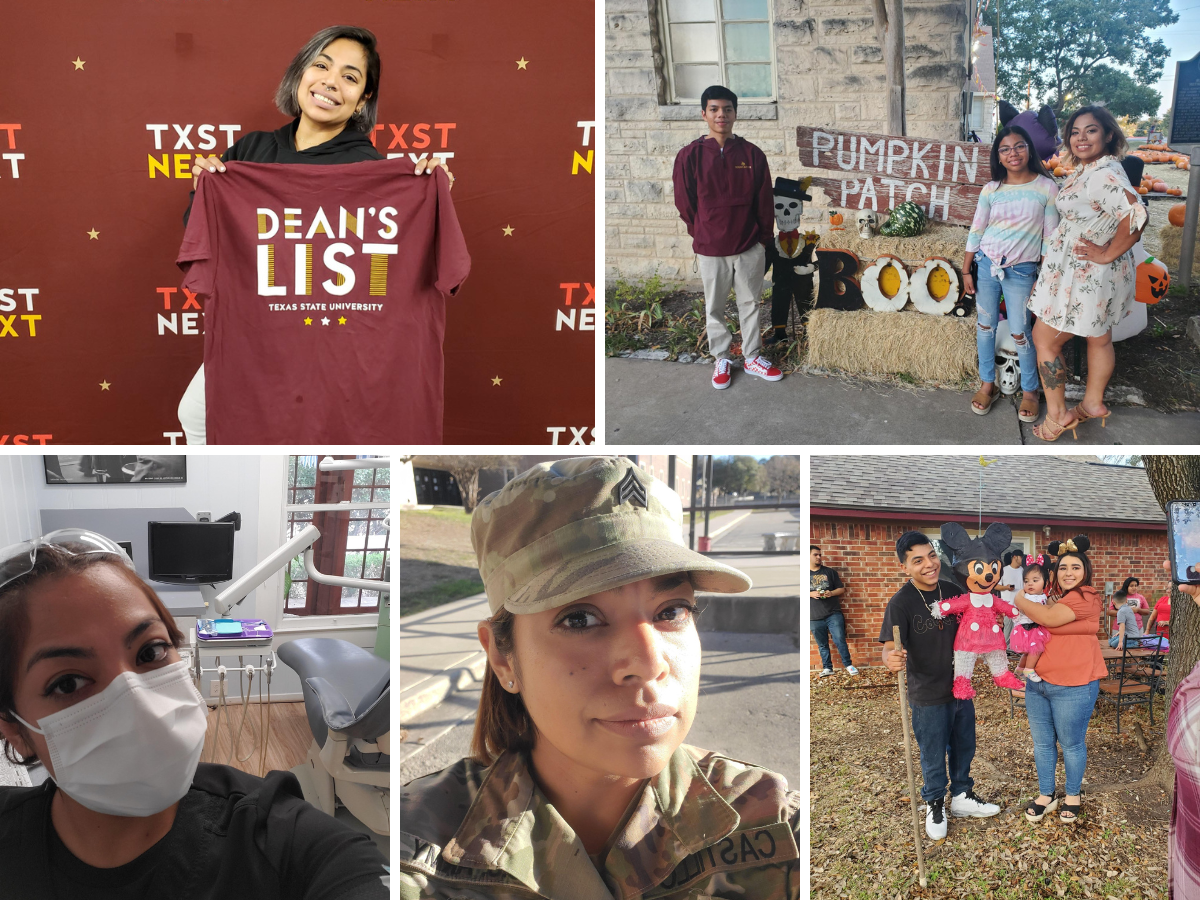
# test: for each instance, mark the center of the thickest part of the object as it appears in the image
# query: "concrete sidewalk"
(655, 402)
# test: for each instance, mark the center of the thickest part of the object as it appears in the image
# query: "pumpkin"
(1060, 171)
(1153, 279)
(1184, 163)
(835, 221)
(1143, 190)
(1175, 192)
(906, 220)
(1160, 186)
(1176, 213)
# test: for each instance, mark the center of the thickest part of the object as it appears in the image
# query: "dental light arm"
(366, 584)
(329, 464)
(282, 557)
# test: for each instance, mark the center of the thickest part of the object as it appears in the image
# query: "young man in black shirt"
(940, 723)
(825, 619)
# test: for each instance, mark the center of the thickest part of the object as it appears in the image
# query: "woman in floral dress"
(1088, 275)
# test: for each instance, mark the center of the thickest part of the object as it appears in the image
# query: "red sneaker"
(722, 373)
(760, 366)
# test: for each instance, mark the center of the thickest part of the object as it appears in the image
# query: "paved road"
(747, 534)
(749, 709)
(682, 408)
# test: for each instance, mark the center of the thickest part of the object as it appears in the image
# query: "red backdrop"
(95, 347)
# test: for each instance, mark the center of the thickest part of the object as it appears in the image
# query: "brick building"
(791, 62)
(860, 505)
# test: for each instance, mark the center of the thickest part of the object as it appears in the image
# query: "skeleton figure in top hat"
(979, 632)
(791, 255)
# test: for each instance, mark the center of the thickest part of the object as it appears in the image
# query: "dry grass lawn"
(437, 564)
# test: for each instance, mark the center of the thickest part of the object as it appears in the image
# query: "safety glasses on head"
(19, 559)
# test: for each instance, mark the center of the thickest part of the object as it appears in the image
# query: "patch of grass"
(616, 342)
(907, 379)
(1176, 290)
(1160, 331)
(438, 594)
(446, 514)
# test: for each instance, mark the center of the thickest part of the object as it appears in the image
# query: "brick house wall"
(829, 71)
(864, 554)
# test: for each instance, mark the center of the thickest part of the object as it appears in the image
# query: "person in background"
(943, 726)
(1160, 619)
(724, 195)
(825, 618)
(1125, 616)
(1011, 578)
(1129, 590)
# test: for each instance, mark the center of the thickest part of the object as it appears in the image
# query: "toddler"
(1028, 637)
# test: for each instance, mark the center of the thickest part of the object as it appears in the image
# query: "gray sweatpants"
(744, 273)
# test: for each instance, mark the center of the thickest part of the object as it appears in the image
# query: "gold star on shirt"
(307, 321)
(78, 63)
(94, 234)
(105, 385)
(522, 63)
(341, 320)
(496, 381)
(508, 230)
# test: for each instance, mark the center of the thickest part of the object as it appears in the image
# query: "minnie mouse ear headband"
(993, 542)
(1039, 559)
(1077, 544)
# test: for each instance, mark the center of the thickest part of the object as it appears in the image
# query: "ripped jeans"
(1018, 285)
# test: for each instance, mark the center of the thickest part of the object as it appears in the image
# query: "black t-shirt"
(824, 579)
(235, 837)
(928, 640)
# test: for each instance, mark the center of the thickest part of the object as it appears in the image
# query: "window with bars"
(725, 42)
(354, 541)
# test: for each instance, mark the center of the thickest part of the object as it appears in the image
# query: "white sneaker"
(722, 374)
(850, 670)
(825, 672)
(967, 804)
(761, 366)
(935, 820)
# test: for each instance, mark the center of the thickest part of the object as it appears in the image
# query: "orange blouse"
(1072, 656)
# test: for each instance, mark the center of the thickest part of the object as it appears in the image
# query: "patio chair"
(1015, 698)
(1130, 687)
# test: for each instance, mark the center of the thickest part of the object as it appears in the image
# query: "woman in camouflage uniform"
(580, 786)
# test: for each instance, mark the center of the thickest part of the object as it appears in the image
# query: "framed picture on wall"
(124, 469)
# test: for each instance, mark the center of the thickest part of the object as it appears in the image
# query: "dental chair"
(347, 691)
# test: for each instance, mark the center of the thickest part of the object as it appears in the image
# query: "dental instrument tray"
(233, 633)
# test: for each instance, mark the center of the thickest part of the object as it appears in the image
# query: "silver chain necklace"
(929, 606)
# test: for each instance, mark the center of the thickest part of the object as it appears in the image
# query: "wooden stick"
(908, 756)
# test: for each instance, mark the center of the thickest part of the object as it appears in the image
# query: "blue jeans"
(945, 729)
(1017, 285)
(833, 626)
(1058, 716)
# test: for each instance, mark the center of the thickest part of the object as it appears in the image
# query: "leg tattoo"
(1054, 373)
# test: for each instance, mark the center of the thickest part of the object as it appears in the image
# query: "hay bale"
(1170, 239)
(949, 241)
(865, 342)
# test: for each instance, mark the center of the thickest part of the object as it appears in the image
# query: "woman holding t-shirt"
(1013, 222)
(331, 88)
(1059, 707)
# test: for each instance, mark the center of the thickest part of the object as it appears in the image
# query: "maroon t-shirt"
(325, 290)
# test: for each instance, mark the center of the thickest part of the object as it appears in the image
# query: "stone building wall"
(829, 71)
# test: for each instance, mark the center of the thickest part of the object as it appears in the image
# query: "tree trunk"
(1176, 478)
(889, 28)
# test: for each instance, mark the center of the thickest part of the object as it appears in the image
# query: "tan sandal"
(1030, 407)
(1046, 431)
(985, 401)
(1082, 415)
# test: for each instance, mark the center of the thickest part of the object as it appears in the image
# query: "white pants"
(744, 273)
(191, 409)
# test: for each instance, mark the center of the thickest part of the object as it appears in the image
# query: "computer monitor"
(191, 552)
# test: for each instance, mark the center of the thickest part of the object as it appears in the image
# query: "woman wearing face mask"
(92, 686)
(331, 89)
(1088, 277)
(1059, 706)
(580, 786)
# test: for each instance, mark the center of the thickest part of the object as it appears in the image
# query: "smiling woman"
(581, 785)
(92, 686)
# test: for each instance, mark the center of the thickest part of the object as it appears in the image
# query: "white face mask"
(133, 748)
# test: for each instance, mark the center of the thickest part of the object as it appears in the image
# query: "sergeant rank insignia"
(631, 490)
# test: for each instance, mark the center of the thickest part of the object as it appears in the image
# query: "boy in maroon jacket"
(723, 193)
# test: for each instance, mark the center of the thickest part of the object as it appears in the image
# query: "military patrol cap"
(569, 529)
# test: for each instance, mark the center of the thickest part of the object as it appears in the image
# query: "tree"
(782, 474)
(465, 470)
(889, 29)
(1118, 92)
(736, 474)
(1068, 48)
(1176, 478)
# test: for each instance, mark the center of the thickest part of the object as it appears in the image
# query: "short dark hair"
(812, 547)
(999, 172)
(908, 540)
(717, 92)
(285, 95)
(1116, 145)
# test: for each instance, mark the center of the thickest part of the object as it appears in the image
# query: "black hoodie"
(280, 147)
